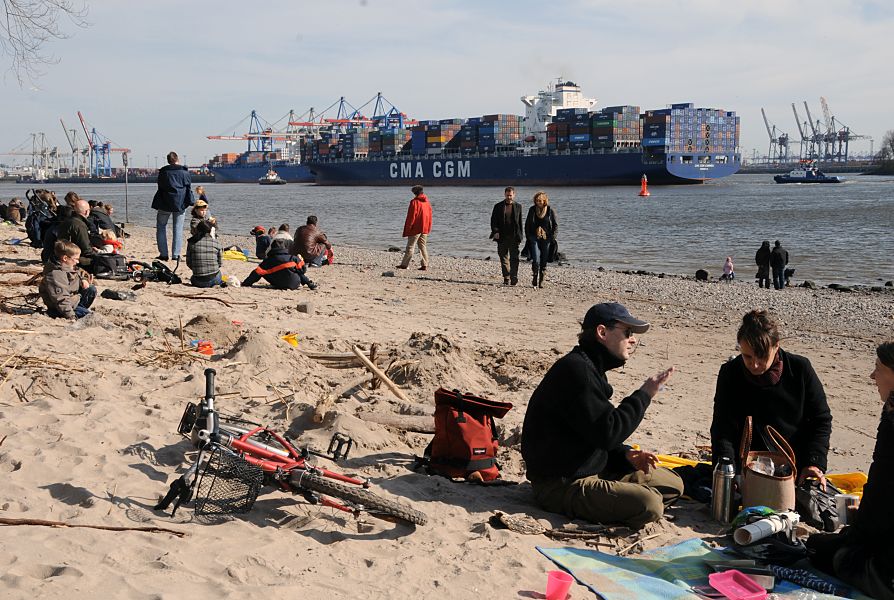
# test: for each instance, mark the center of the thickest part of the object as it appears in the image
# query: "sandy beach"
(89, 411)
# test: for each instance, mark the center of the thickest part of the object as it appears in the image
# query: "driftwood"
(227, 303)
(381, 375)
(43, 523)
(345, 390)
(17, 331)
(417, 423)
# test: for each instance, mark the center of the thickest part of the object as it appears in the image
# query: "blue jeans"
(539, 251)
(88, 295)
(317, 261)
(161, 234)
(206, 281)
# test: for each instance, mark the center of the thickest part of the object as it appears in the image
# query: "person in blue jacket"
(173, 197)
(281, 269)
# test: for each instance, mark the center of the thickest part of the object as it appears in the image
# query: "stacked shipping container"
(686, 129)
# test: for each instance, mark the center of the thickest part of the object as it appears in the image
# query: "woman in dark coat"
(541, 229)
(773, 387)
(762, 260)
(863, 553)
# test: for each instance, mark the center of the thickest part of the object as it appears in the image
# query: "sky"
(163, 75)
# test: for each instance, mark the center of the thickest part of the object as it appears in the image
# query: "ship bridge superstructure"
(540, 109)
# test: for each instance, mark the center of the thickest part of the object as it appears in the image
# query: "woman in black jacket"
(863, 554)
(281, 270)
(541, 229)
(775, 388)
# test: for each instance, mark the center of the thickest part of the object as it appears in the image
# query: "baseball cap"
(201, 203)
(608, 312)
(259, 229)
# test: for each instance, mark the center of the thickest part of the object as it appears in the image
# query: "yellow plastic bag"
(292, 339)
(849, 483)
(234, 255)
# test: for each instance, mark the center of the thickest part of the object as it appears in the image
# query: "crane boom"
(86, 133)
(827, 114)
(71, 141)
(798, 121)
(767, 124)
(810, 119)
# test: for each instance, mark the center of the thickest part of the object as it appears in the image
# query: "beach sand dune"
(89, 410)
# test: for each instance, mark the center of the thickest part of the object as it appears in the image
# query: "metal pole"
(126, 213)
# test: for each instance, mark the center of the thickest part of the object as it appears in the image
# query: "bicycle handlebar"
(209, 383)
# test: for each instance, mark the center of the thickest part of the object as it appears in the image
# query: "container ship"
(562, 139)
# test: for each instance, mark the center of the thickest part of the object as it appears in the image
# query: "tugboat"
(809, 173)
(271, 178)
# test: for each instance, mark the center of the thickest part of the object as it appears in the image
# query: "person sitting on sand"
(262, 241)
(110, 242)
(77, 230)
(281, 269)
(15, 211)
(201, 195)
(729, 272)
(67, 294)
(283, 234)
(573, 436)
(862, 554)
(204, 256)
(773, 387)
(200, 213)
(311, 244)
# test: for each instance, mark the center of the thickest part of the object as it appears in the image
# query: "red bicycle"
(235, 461)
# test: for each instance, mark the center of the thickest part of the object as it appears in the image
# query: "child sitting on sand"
(200, 213)
(110, 242)
(66, 293)
(204, 256)
(262, 241)
(281, 270)
(728, 272)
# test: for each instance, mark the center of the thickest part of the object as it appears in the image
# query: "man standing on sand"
(416, 228)
(778, 261)
(573, 436)
(506, 229)
(173, 197)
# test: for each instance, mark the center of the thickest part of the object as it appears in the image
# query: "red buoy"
(644, 187)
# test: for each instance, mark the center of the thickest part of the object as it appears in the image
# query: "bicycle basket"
(228, 485)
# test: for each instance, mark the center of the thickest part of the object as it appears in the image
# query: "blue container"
(579, 137)
(647, 142)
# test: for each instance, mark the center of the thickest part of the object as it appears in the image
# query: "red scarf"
(769, 377)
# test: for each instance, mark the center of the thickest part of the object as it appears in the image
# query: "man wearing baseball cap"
(573, 436)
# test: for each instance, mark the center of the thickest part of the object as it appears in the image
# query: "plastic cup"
(557, 585)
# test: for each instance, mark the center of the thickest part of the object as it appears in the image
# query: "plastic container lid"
(736, 586)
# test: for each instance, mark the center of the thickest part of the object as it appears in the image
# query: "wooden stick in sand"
(43, 523)
(322, 407)
(380, 374)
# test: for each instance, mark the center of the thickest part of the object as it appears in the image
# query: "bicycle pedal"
(340, 446)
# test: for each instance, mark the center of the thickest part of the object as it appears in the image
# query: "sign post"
(126, 215)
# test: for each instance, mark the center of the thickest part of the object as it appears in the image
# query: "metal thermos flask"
(722, 491)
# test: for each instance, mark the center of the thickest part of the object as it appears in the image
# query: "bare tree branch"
(27, 26)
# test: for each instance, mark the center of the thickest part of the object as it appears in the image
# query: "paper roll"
(748, 534)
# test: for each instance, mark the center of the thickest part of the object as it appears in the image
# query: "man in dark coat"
(311, 243)
(173, 197)
(573, 436)
(506, 229)
(762, 260)
(76, 230)
(778, 261)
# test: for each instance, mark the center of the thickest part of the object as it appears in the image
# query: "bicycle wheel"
(371, 503)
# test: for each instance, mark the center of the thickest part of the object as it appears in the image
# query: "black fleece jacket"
(796, 406)
(571, 428)
(874, 525)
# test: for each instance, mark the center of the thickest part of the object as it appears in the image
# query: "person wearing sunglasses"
(573, 435)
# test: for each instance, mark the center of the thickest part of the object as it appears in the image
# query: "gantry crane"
(100, 151)
(804, 153)
(778, 151)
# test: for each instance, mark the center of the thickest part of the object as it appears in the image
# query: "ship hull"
(584, 169)
(246, 173)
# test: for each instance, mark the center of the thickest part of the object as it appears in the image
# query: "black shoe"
(423, 268)
(401, 267)
(311, 285)
(160, 257)
(534, 281)
(505, 281)
(540, 279)
(514, 281)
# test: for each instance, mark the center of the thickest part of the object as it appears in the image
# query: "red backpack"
(465, 439)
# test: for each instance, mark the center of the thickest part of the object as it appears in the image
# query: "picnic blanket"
(665, 573)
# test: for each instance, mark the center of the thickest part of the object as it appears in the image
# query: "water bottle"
(722, 490)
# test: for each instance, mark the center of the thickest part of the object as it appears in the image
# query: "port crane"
(778, 151)
(100, 151)
(805, 151)
(79, 156)
(838, 136)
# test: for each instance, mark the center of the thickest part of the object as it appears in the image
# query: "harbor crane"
(838, 136)
(778, 151)
(79, 156)
(816, 140)
(805, 151)
(100, 151)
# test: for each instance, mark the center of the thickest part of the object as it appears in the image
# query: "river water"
(834, 233)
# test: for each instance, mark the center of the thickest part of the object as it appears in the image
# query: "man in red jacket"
(416, 228)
